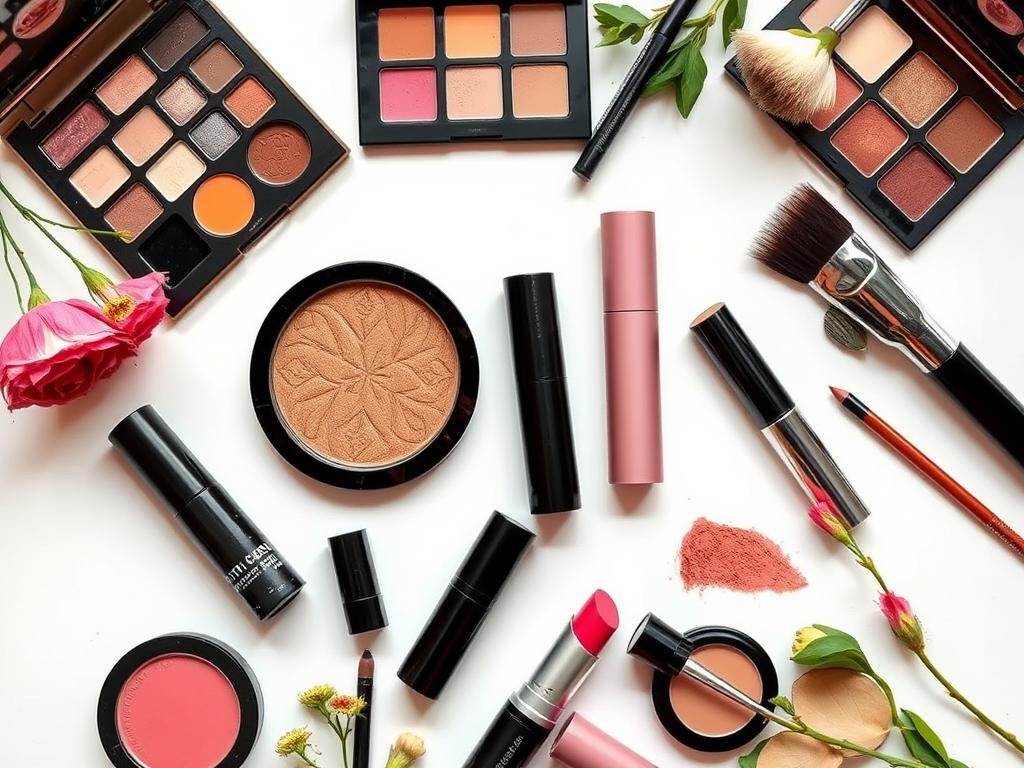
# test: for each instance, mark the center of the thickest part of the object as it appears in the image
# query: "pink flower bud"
(902, 621)
(821, 515)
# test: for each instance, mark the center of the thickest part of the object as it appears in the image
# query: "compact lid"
(160, 458)
(629, 261)
(742, 365)
(658, 645)
(581, 744)
(357, 582)
(493, 557)
(39, 33)
(533, 326)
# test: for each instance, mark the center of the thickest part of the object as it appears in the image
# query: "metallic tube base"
(554, 682)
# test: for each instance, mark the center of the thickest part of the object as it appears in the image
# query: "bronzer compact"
(183, 136)
(364, 375)
(463, 69)
(928, 104)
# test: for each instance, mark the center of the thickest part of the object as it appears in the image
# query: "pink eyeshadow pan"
(916, 183)
(869, 138)
(9, 54)
(178, 710)
(408, 95)
(76, 133)
(847, 91)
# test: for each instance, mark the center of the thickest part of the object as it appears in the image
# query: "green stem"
(892, 760)
(952, 691)
(867, 563)
(306, 760)
(32, 217)
(10, 267)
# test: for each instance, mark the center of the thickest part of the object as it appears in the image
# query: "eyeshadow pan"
(9, 54)
(174, 248)
(474, 93)
(705, 711)
(181, 100)
(472, 31)
(965, 135)
(279, 153)
(915, 183)
(918, 90)
(408, 95)
(142, 136)
(176, 39)
(126, 85)
(249, 101)
(873, 43)
(223, 204)
(73, 135)
(216, 66)
(540, 90)
(175, 171)
(135, 211)
(821, 13)
(100, 176)
(405, 34)
(214, 135)
(847, 92)
(537, 29)
(869, 138)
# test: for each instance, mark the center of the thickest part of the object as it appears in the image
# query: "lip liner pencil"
(361, 728)
(647, 62)
(930, 469)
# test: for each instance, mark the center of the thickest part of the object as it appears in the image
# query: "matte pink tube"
(581, 744)
(632, 361)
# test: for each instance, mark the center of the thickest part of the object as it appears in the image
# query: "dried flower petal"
(793, 750)
(408, 748)
(844, 704)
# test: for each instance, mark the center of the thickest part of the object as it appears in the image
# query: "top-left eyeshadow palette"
(185, 140)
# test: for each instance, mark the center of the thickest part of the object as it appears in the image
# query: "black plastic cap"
(742, 365)
(658, 645)
(357, 582)
(160, 457)
(534, 328)
(494, 556)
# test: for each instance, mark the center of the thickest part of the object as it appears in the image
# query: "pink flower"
(902, 621)
(139, 306)
(821, 515)
(58, 351)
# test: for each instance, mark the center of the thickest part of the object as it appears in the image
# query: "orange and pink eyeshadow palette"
(439, 73)
(914, 128)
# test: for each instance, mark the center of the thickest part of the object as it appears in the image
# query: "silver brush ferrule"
(858, 282)
(813, 466)
(847, 17)
(706, 677)
(553, 683)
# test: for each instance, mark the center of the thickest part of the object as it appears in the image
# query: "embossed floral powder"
(365, 374)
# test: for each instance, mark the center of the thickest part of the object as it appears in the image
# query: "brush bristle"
(801, 235)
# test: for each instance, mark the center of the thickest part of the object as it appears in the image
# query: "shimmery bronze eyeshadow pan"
(364, 375)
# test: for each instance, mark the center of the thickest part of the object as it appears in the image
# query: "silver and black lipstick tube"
(530, 714)
(776, 415)
(858, 282)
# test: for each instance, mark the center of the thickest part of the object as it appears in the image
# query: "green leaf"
(733, 16)
(611, 37)
(623, 14)
(692, 81)
(921, 750)
(783, 703)
(750, 760)
(836, 649)
(668, 73)
(926, 733)
(637, 36)
(604, 18)
(958, 764)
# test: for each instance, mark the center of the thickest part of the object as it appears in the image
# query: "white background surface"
(93, 566)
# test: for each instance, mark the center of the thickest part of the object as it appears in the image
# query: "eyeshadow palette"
(915, 128)
(185, 139)
(465, 70)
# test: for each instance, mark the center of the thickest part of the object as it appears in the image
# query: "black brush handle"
(991, 404)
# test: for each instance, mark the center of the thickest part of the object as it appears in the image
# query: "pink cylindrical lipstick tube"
(632, 361)
(581, 744)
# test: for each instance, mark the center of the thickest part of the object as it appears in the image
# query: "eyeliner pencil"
(930, 469)
(361, 728)
(651, 56)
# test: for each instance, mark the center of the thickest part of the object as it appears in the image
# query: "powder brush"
(789, 73)
(807, 240)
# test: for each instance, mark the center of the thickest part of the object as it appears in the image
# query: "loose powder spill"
(739, 559)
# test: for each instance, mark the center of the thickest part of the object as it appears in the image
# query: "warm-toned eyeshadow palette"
(186, 139)
(914, 128)
(472, 70)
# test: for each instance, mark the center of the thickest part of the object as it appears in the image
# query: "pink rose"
(147, 307)
(58, 351)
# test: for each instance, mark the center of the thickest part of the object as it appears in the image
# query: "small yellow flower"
(805, 637)
(349, 706)
(408, 748)
(293, 741)
(317, 696)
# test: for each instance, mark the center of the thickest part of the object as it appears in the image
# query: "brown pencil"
(930, 469)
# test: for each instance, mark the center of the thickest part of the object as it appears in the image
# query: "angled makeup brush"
(789, 73)
(809, 241)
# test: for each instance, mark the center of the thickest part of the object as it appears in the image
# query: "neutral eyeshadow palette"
(185, 138)
(914, 128)
(472, 70)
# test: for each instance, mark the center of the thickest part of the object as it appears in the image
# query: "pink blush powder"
(178, 711)
(738, 559)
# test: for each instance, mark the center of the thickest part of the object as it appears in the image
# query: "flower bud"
(407, 749)
(821, 515)
(317, 696)
(902, 621)
(293, 741)
(804, 637)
